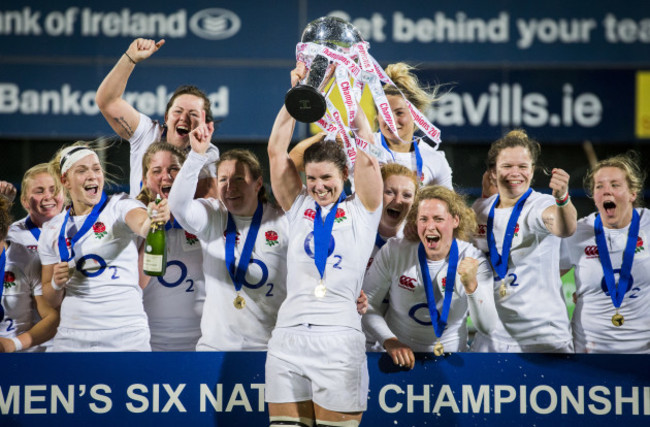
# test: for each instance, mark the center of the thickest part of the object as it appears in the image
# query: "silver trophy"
(305, 102)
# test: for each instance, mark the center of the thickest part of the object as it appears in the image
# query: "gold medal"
(438, 349)
(320, 290)
(502, 289)
(239, 302)
(618, 319)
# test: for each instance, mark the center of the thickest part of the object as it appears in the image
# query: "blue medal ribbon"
(500, 262)
(238, 273)
(172, 224)
(379, 241)
(89, 222)
(3, 261)
(323, 234)
(418, 156)
(440, 322)
(36, 232)
(617, 292)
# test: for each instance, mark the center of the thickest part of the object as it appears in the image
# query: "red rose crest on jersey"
(482, 230)
(9, 280)
(444, 283)
(407, 283)
(639, 245)
(517, 229)
(591, 251)
(190, 238)
(340, 215)
(310, 214)
(271, 238)
(99, 229)
(370, 260)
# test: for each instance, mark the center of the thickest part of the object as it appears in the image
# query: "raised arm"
(119, 114)
(285, 179)
(190, 213)
(560, 219)
(367, 181)
(297, 153)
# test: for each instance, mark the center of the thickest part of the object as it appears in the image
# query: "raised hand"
(200, 138)
(141, 49)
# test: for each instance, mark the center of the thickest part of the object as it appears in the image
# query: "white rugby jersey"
(396, 273)
(148, 132)
(224, 327)
(593, 331)
(22, 281)
(533, 311)
(172, 301)
(103, 291)
(435, 168)
(351, 243)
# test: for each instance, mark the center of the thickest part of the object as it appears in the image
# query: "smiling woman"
(90, 251)
(520, 229)
(431, 284)
(181, 289)
(243, 238)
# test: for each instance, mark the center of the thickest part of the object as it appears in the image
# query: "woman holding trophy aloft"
(404, 148)
(333, 236)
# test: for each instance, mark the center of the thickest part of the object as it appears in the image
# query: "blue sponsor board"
(62, 105)
(227, 389)
(201, 29)
(464, 31)
(555, 105)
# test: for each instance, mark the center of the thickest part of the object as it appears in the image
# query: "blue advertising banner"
(226, 389)
(565, 69)
(464, 31)
(480, 104)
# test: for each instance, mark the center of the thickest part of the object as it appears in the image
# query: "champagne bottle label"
(152, 263)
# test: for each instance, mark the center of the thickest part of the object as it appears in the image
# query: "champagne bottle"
(155, 249)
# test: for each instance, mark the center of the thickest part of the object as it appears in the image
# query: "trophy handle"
(305, 103)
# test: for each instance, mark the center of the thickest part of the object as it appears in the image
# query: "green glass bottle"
(155, 249)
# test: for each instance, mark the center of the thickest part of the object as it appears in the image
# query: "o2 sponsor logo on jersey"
(591, 251)
(630, 292)
(408, 283)
(310, 250)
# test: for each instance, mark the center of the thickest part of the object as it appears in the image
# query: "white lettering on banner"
(210, 24)
(96, 394)
(370, 29)
(20, 23)
(444, 29)
(66, 101)
(173, 398)
(626, 30)
(238, 397)
(551, 31)
(507, 105)
(542, 399)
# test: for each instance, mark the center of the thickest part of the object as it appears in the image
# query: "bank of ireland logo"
(215, 24)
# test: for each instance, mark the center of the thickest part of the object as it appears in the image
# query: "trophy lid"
(332, 32)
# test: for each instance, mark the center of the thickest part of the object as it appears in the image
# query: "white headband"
(71, 155)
